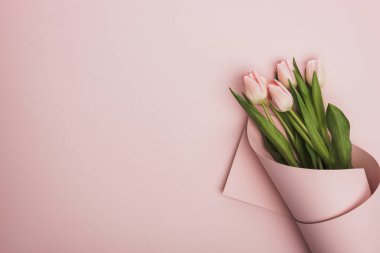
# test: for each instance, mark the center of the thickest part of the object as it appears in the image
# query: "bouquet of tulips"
(335, 208)
(314, 137)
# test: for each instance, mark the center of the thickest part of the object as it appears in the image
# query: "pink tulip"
(280, 97)
(285, 73)
(255, 87)
(315, 65)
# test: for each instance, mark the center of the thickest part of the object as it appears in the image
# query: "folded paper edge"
(234, 187)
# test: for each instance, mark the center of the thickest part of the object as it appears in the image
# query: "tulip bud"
(285, 73)
(315, 65)
(255, 87)
(280, 97)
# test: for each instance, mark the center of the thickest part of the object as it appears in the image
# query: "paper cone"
(336, 210)
(313, 195)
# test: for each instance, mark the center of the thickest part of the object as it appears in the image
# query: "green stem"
(320, 165)
(283, 123)
(289, 133)
(301, 131)
(267, 113)
(298, 120)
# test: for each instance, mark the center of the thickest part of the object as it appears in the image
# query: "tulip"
(315, 65)
(285, 72)
(255, 88)
(280, 97)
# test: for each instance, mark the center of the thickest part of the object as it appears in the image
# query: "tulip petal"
(321, 73)
(311, 66)
(280, 97)
(255, 90)
(283, 74)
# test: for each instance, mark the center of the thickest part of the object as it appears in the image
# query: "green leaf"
(294, 95)
(273, 151)
(320, 164)
(301, 148)
(296, 66)
(317, 142)
(319, 108)
(308, 157)
(268, 130)
(340, 147)
(302, 153)
(285, 124)
(313, 157)
(305, 94)
(296, 122)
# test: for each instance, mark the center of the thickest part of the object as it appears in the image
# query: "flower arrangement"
(290, 128)
(314, 137)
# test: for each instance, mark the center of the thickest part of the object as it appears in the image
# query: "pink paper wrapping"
(336, 210)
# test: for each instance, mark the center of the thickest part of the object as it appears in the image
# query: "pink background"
(117, 129)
